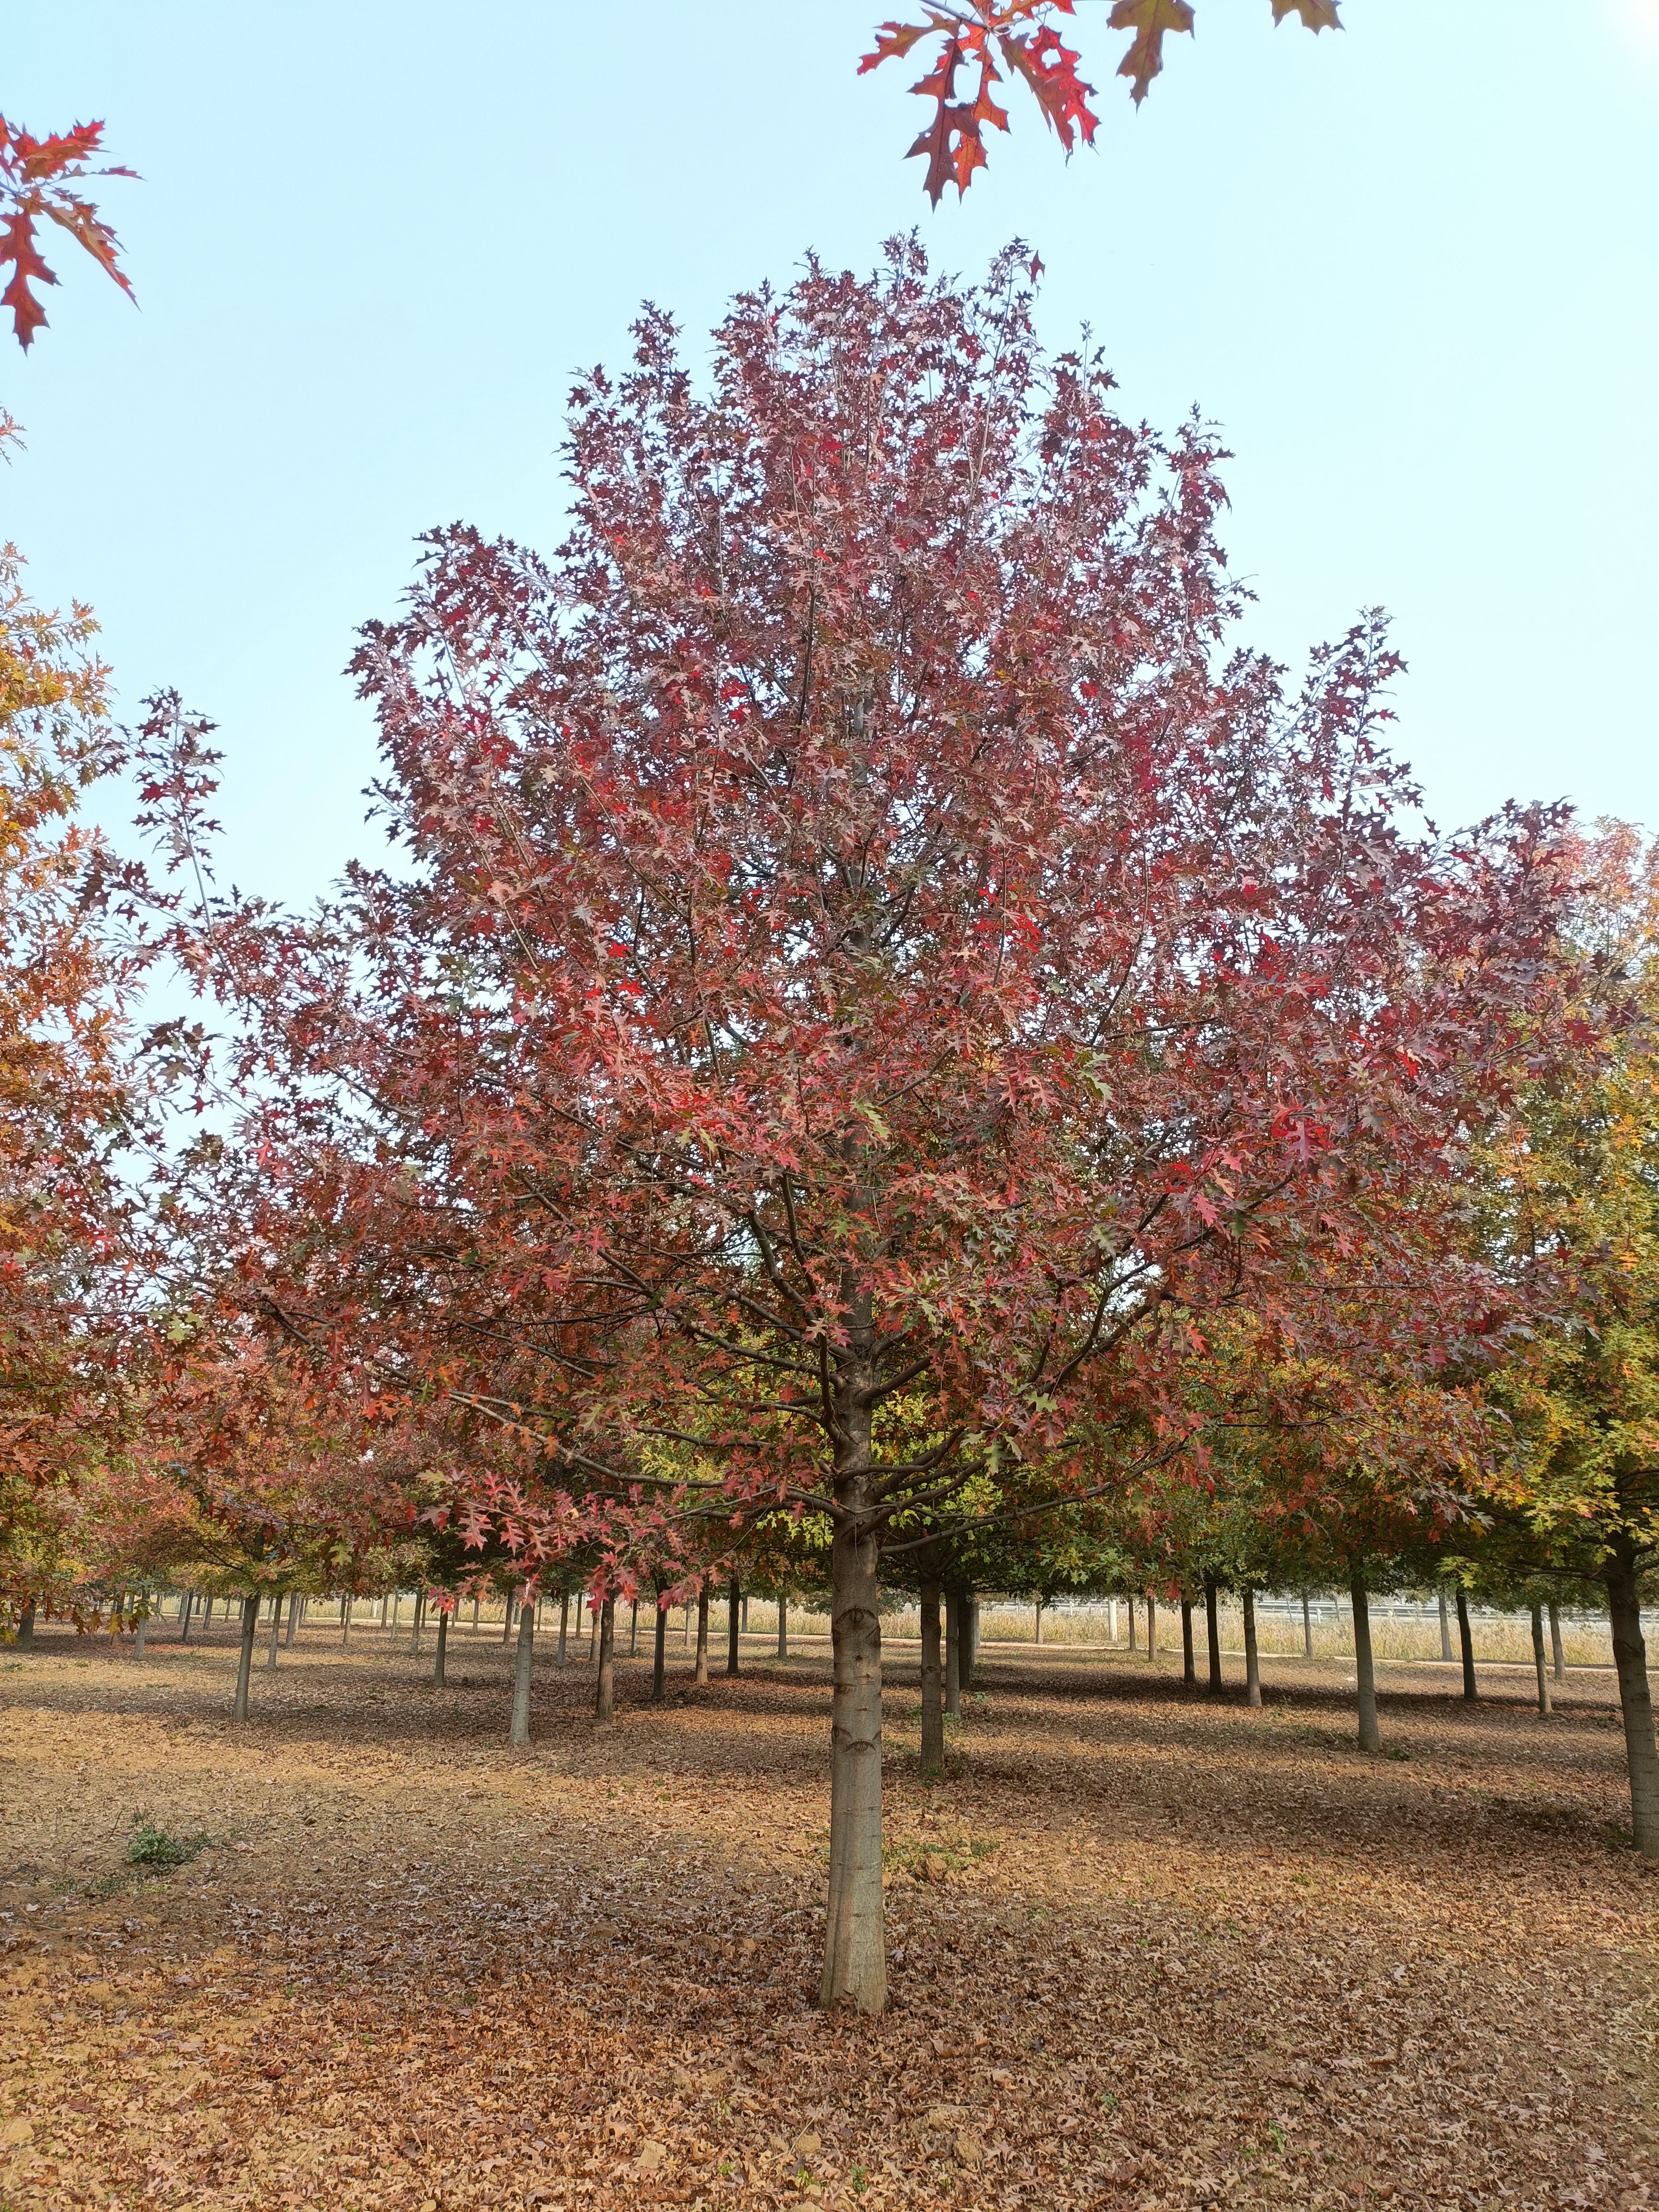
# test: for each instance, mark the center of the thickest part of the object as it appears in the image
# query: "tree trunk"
(732, 1620)
(1151, 1631)
(1538, 1660)
(686, 1630)
(507, 1619)
(1213, 1630)
(244, 1665)
(1445, 1630)
(293, 1618)
(207, 1615)
(139, 1627)
(932, 1683)
(659, 1654)
(783, 1626)
(564, 1624)
(1252, 1665)
(701, 1674)
(952, 1654)
(605, 1689)
(593, 1612)
(518, 1733)
(397, 1608)
(275, 1630)
(855, 1952)
(1466, 1643)
(1369, 1738)
(476, 1601)
(420, 1616)
(345, 1623)
(1039, 1620)
(1133, 1604)
(633, 1628)
(1307, 1628)
(1189, 1668)
(1555, 1642)
(967, 1641)
(1111, 1622)
(186, 1608)
(26, 1629)
(1630, 1657)
(746, 1614)
(443, 1645)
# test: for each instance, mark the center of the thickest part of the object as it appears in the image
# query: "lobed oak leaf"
(1315, 14)
(1150, 20)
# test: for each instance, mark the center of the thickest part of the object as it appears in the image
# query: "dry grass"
(1148, 1952)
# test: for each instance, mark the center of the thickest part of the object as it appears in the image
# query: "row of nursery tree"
(883, 1046)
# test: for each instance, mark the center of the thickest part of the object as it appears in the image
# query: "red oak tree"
(869, 969)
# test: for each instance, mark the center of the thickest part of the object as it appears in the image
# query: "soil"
(1148, 1951)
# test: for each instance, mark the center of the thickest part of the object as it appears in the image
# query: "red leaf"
(26, 313)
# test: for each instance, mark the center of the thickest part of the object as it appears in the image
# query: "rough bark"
(855, 1952)
(659, 1654)
(783, 1626)
(293, 1618)
(1252, 1664)
(1630, 1658)
(933, 1681)
(701, 1674)
(25, 1629)
(244, 1664)
(952, 1654)
(1369, 1740)
(1445, 1630)
(443, 1646)
(564, 1624)
(184, 1612)
(1538, 1668)
(1466, 1643)
(605, 1689)
(1556, 1652)
(518, 1733)
(1189, 1666)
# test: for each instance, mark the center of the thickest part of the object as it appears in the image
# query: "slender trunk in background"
(685, 1633)
(293, 1618)
(1039, 1620)
(604, 1689)
(25, 1629)
(345, 1622)
(397, 1607)
(1466, 1643)
(507, 1619)
(187, 1605)
(1151, 1631)
(1111, 1621)
(1135, 1616)
(564, 1624)
(952, 1654)
(783, 1626)
(1213, 1630)
(1445, 1630)
(634, 1628)
(967, 1642)
(1369, 1740)
(275, 1630)
(1622, 1574)
(518, 1733)
(1252, 1664)
(1555, 1642)
(701, 1672)
(731, 1619)
(659, 1654)
(1188, 1668)
(1538, 1660)
(207, 1616)
(746, 1614)
(1307, 1628)
(932, 1682)
(139, 1627)
(592, 1634)
(475, 1616)
(245, 1663)
(443, 1644)
(420, 1615)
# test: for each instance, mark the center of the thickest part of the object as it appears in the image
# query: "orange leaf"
(1316, 15)
(18, 247)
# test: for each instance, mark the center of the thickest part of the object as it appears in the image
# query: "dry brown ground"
(1147, 1951)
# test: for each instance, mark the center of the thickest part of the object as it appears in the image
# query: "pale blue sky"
(1412, 271)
